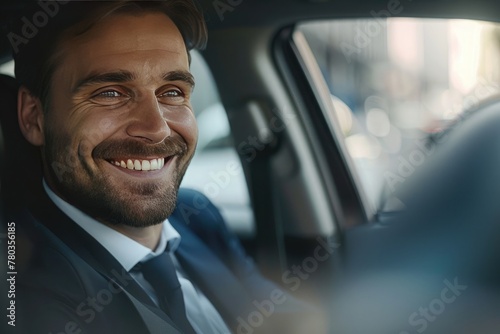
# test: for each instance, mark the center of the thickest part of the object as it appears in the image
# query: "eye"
(109, 93)
(172, 93)
(109, 97)
(172, 96)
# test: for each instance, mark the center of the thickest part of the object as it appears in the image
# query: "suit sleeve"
(205, 220)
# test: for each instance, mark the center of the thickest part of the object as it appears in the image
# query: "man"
(105, 94)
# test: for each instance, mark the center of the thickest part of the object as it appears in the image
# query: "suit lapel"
(93, 253)
(208, 272)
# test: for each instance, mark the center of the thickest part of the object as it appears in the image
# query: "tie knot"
(160, 273)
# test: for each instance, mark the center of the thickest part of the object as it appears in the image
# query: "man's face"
(120, 131)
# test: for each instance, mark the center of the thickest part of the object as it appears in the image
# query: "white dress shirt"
(202, 315)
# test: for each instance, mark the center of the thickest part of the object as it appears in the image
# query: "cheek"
(184, 123)
(95, 125)
(81, 136)
(92, 132)
(77, 124)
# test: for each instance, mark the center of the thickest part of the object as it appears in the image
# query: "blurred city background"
(396, 81)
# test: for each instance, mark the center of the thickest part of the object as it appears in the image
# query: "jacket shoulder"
(59, 292)
(196, 214)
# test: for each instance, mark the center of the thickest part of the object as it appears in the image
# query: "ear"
(30, 116)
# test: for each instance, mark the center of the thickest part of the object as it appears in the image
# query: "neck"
(146, 236)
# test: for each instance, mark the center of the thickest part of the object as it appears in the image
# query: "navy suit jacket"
(69, 283)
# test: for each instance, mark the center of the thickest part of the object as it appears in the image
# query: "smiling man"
(138, 84)
(105, 94)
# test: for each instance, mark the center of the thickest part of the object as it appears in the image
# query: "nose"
(147, 121)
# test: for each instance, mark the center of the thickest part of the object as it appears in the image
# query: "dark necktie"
(160, 273)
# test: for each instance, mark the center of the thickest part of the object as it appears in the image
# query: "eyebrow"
(184, 76)
(126, 76)
(99, 78)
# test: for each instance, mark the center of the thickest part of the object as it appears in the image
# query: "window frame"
(307, 92)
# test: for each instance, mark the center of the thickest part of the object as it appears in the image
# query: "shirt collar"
(127, 251)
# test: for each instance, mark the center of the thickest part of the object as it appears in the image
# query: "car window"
(395, 81)
(216, 168)
(7, 68)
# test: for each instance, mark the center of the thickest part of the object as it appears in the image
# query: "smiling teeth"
(145, 165)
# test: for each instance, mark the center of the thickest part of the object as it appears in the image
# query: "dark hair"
(35, 57)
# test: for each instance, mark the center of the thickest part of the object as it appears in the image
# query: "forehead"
(124, 39)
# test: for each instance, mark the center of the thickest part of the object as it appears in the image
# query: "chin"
(143, 211)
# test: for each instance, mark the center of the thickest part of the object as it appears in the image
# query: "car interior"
(367, 128)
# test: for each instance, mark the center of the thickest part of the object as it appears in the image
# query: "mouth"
(141, 164)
